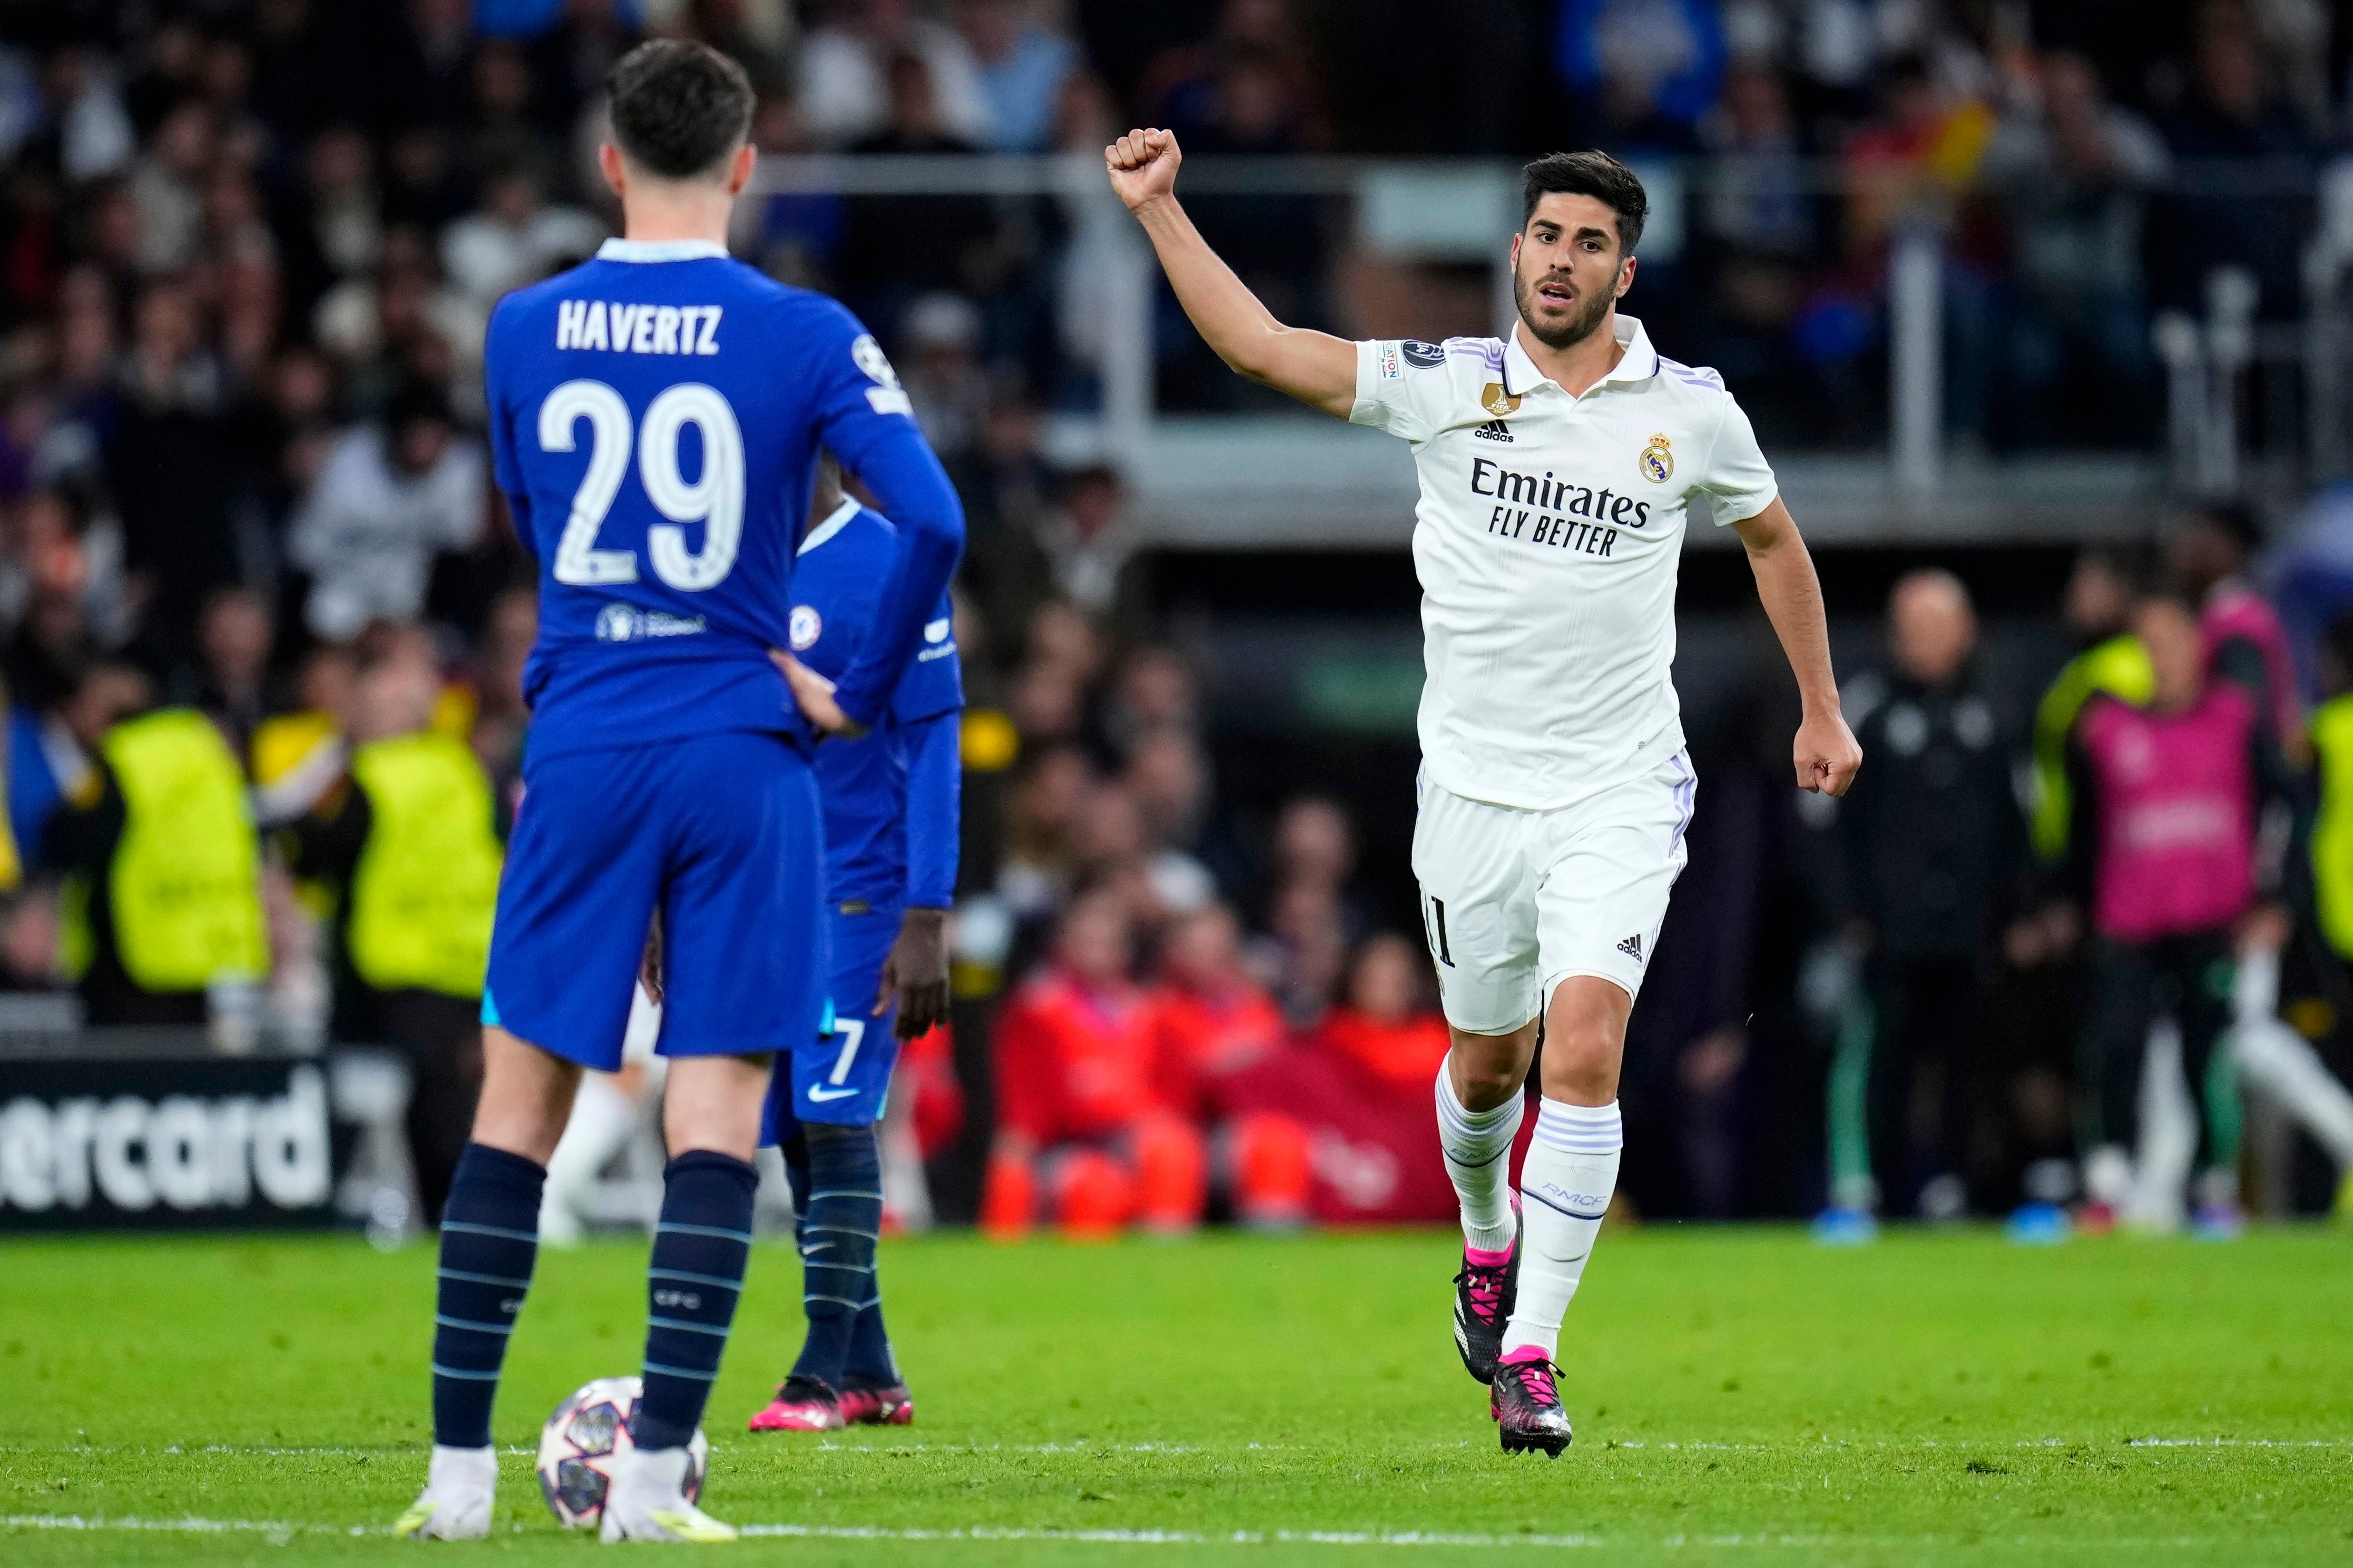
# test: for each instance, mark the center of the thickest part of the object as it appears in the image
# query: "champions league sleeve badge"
(1657, 463)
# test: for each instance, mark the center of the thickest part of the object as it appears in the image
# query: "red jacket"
(1402, 1055)
(1198, 1039)
(1073, 1061)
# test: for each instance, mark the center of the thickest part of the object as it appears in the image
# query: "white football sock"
(1478, 1149)
(1566, 1183)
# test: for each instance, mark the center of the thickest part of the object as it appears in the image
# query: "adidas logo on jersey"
(1633, 947)
(1494, 430)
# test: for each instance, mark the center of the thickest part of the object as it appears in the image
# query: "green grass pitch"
(1740, 1395)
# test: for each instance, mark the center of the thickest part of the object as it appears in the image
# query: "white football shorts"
(1514, 902)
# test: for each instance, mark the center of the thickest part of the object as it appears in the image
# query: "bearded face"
(1568, 272)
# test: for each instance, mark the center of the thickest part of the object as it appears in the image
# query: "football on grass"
(580, 1442)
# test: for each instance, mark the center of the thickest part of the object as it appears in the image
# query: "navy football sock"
(701, 1248)
(839, 1222)
(870, 1363)
(490, 1237)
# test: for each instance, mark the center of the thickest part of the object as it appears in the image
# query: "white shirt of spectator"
(367, 532)
(1546, 541)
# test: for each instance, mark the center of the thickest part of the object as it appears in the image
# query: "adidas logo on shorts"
(1633, 947)
(1494, 430)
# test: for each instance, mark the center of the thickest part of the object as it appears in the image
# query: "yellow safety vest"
(2332, 830)
(428, 879)
(186, 883)
(2119, 667)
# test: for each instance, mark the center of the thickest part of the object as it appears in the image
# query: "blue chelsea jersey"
(655, 418)
(863, 783)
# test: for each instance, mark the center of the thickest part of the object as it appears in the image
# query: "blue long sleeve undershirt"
(913, 492)
(934, 783)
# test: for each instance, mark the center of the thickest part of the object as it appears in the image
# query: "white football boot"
(455, 1502)
(648, 1500)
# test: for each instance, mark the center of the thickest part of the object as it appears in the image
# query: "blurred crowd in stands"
(248, 249)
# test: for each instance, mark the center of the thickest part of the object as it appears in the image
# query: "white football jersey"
(1546, 539)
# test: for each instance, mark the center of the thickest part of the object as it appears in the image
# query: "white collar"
(835, 521)
(1639, 362)
(661, 250)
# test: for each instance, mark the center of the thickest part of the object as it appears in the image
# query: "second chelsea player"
(891, 868)
(655, 419)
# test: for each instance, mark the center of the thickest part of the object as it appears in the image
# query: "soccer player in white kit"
(1556, 471)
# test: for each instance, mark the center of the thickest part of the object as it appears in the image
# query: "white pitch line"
(281, 1531)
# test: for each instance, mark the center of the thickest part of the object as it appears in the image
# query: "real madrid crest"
(1658, 464)
(1498, 401)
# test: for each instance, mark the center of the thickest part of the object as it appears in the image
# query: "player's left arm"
(868, 423)
(916, 972)
(1825, 754)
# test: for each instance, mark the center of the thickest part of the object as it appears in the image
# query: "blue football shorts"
(842, 1074)
(722, 834)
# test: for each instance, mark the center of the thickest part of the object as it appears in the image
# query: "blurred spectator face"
(226, 74)
(1094, 943)
(301, 388)
(915, 107)
(233, 638)
(1110, 829)
(28, 938)
(1157, 692)
(1204, 950)
(1306, 919)
(164, 331)
(339, 164)
(511, 199)
(106, 696)
(1045, 703)
(2206, 552)
(1263, 22)
(2099, 600)
(324, 684)
(1253, 99)
(1087, 116)
(1314, 844)
(2177, 651)
(1063, 636)
(993, 28)
(419, 442)
(886, 20)
(2231, 72)
(1170, 784)
(1930, 627)
(1756, 105)
(778, 128)
(113, 227)
(1387, 984)
(1091, 501)
(501, 81)
(394, 694)
(1046, 800)
(183, 142)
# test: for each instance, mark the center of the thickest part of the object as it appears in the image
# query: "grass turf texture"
(1738, 1394)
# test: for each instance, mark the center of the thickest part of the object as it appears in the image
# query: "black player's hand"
(916, 974)
(650, 967)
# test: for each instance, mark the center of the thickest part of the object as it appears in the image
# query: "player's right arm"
(1316, 368)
